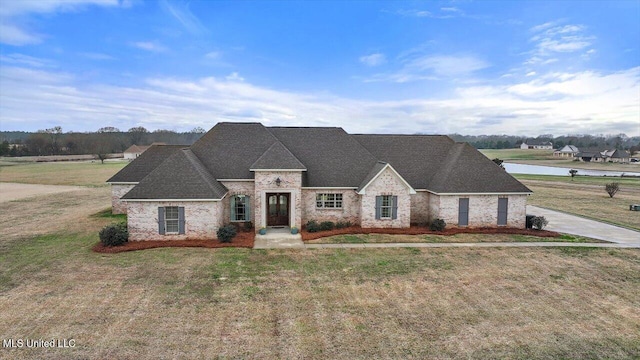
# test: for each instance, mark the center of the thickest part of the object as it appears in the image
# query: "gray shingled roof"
(537, 142)
(145, 163)
(333, 158)
(278, 157)
(181, 176)
(436, 163)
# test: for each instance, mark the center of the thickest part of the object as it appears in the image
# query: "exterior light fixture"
(278, 181)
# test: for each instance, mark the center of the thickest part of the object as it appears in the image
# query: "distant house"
(567, 151)
(136, 150)
(536, 144)
(278, 177)
(617, 156)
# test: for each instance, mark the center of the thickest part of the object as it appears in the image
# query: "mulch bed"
(419, 230)
(242, 240)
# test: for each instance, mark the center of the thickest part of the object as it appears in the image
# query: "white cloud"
(373, 59)
(213, 55)
(583, 102)
(551, 39)
(26, 60)
(416, 65)
(234, 77)
(11, 12)
(152, 46)
(182, 13)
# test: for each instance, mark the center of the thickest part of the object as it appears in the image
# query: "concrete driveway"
(576, 225)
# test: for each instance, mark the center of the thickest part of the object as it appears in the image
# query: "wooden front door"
(278, 209)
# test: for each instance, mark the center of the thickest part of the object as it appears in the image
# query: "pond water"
(561, 171)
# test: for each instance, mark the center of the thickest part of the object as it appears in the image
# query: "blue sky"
(503, 67)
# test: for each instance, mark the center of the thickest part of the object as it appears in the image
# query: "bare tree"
(137, 134)
(573, 173)
(612, 188)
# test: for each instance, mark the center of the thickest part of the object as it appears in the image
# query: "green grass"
(68, 173)
(107, 214)
(517, 154)
(458, 238)
(586, 180)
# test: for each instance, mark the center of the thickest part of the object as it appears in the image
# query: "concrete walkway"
(576, 225)
(278, 239)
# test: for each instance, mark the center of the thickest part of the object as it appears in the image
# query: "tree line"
(107, 140)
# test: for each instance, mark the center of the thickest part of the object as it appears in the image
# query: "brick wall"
(483, 210)
(202, 220)
(118, 191)
(265, 182)
(420, 208)
(237, 188)
(387, 183)
(350, 207)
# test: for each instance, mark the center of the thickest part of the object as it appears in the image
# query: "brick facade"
(202, 219)
(350, 206)
(117, 191)
(238, 188)
(483, 210)
(387, 183)
(265, 182)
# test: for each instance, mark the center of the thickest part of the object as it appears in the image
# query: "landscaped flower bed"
(241, 240)
(421, 230)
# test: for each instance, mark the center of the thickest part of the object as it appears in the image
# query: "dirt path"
(15, 191)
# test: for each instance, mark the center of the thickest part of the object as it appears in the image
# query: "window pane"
(318, 197)
(385, 212)
(339, 197)
(240, 208)
(172, 226)
(330, 197)
(338, 204)
(319, 204)
(171, 213)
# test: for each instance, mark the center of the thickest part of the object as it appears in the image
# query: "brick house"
(285, 176)
(537, 144)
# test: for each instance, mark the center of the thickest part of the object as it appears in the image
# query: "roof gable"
(377, 170)
(180, 177)
(277, 157)
(137, 169)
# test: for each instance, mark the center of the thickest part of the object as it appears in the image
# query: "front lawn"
(458, 238)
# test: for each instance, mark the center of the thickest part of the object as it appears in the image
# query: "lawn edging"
(241, 240)
(420, 230)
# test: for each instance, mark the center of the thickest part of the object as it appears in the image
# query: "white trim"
(174, 200)
(252, 180)
(279, 170)
(328, 188)
(122, 183)
(478, 193)
(411, 190)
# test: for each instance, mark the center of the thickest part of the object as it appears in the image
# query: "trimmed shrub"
(539, 222)
(312, 226)
(343, 224)
(114, 234)
(226, 233)
(528, 219)
(437, 225)
(327, 225)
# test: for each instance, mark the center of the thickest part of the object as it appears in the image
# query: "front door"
(278, 209)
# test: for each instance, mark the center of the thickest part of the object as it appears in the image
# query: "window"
(240, 208)
(386, 207)
(171, 219)
(329, 201)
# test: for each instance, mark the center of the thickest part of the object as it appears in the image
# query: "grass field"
(515, 303)
(546, 158)
(61, 173)
(458, 238)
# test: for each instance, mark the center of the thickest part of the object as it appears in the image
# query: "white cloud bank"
(559, 103)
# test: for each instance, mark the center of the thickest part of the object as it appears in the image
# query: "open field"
(546, 158)
(515, 303)
(62, 173)
(586, 197)
(458, 238)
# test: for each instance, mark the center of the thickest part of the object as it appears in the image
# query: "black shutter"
(161, 230)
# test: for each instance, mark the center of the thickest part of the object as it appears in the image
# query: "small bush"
(343, 224)
(327, 225)
(312, 226)
(612, 188)
(248, 226)
(226, 233)
(114, 234)
(437, 225)
(528, 219)
(539, 222)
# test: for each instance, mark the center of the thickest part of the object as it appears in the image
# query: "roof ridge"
(201, 170)
(275, 144)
